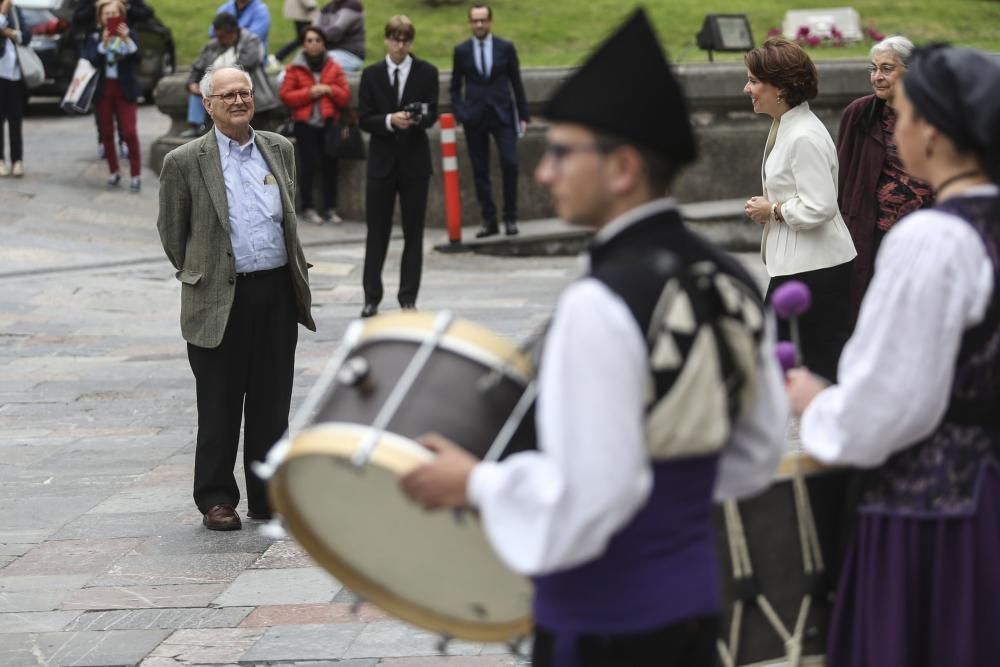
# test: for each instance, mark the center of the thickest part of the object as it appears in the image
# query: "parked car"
(57, 43)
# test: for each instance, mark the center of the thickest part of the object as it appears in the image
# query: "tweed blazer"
(193, 224)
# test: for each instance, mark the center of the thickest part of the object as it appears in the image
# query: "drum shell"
(770, 524)
(457, 394)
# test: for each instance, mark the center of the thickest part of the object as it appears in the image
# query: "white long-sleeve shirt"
(557, 507)
(933, 281)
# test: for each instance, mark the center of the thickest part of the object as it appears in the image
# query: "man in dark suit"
(227, 223)
(488, 67)
(399, 158)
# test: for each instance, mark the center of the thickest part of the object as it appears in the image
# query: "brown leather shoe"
(222, 517)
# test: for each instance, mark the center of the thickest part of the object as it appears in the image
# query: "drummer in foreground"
(918, 393)
(612, 517)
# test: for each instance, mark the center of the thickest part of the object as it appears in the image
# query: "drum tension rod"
(443, 642)
(356, 372)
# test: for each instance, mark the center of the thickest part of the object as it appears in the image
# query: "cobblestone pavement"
(103, 559)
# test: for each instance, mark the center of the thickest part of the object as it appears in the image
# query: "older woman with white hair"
(874, 190)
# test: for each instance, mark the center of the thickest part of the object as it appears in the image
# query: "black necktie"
(482, 56)
(395, 84)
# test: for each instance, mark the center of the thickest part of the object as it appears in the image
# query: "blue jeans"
(196, 111)
(347, 60)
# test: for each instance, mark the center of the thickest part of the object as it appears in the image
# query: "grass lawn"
(562, 32)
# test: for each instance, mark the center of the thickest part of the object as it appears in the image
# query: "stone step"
(721, 221)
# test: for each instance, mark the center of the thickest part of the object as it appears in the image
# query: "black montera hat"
(627, 89)
(956, 91)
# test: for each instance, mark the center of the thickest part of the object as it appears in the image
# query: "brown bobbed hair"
(401, 27)
(785, 65)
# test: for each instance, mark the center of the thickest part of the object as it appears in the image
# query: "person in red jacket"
(315, 90)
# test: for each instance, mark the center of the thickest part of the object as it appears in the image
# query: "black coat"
(127, 66)
(407, 150)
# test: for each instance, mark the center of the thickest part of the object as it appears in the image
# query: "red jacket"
(299, 79)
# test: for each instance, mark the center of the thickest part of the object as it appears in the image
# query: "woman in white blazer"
(805, 237)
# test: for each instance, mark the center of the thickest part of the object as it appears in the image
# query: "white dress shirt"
(559, 506)
(255, 210)
(933, 281)
(404, 74)
(9, 69)
(800, 171)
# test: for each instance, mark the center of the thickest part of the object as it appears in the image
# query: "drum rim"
(800, 463)
(462, 337)
(309, 443)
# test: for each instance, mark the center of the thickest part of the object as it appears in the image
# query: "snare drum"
(337, 486)
(780, 554)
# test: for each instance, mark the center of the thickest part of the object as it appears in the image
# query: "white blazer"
(800, 171)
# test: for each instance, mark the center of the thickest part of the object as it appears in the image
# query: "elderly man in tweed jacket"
(227, 223)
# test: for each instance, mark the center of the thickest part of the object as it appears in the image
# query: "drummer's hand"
(440, 483)
(802, 387)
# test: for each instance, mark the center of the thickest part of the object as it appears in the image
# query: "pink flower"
(813, 40)
(836, 33)
(803, 32)
(774, 32)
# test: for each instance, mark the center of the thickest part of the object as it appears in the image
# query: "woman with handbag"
(115, 55)
(12, 89)
(315, 90)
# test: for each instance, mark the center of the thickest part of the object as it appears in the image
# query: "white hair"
(897, 45)
(206, 81)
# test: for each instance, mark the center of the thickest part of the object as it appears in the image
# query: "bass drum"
(337, 487)
(780, 553)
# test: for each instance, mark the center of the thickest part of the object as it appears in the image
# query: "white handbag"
(32, 69)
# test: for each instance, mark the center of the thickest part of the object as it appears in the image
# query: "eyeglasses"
(230, 97)
(885, 69)
(559, 152)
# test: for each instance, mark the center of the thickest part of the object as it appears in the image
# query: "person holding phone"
(113, 52)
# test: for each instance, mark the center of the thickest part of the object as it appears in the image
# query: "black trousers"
(827, 325)
(251, 369)
(477, 138)
(12, 111)
(689, 643)
(313, 161)
(380, 201)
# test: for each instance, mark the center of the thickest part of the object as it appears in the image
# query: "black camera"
(416, 110)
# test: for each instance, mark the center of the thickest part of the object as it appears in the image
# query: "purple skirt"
(922, 592)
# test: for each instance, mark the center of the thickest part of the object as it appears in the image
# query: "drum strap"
(739, 552)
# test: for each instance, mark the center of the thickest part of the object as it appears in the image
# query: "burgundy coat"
(861, 154)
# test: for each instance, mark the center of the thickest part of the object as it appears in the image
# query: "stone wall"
(731, 137)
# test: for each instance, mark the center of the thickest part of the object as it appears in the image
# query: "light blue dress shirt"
(479, 52)
(119, 49)
(255, 211)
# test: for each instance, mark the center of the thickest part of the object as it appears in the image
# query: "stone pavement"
(103, 559)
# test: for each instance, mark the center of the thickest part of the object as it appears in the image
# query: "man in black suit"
(489, 68)
(399, 158)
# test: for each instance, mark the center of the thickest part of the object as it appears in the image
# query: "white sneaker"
(312, 217)
(332, 217)
(4, 169)
(17, 170)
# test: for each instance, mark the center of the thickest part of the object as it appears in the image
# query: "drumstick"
(791, 300)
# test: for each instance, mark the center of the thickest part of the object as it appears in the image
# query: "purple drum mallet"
(785, 351)
(789, 301)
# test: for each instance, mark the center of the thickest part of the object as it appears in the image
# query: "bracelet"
(776, 212)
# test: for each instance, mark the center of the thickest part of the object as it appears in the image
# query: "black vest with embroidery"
(938, 476)
(702, 316)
